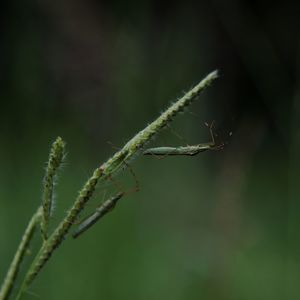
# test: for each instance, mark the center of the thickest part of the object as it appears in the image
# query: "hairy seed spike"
(54, 162)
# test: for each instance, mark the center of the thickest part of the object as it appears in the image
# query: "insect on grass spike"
(100, 211)
(105, 207)
(185, 150)
(144, 136)
(109, 167)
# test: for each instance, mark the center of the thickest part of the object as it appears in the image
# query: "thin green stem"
(61, 231)
(13, 270)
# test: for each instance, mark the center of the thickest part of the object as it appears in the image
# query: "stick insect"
(100, 211)
(186, 150)
(105, 207)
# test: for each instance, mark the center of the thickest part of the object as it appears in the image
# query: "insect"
(100, 211)
(186, 150)
(106, 206)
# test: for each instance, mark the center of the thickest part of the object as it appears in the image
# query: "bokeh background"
(220, 225)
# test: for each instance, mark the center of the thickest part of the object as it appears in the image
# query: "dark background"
(220, 225)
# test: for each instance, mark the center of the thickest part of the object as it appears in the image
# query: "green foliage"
(118, 161)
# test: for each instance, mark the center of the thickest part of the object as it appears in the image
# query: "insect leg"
(137, 184)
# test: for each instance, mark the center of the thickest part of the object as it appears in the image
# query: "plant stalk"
(14, 268)
(118, 161)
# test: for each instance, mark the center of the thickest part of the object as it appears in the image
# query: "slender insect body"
(186, 150)
(100, 211)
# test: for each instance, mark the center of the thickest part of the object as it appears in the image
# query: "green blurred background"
(220, 225)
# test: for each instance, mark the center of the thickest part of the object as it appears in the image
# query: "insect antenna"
(175, 133)
(113, 146)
